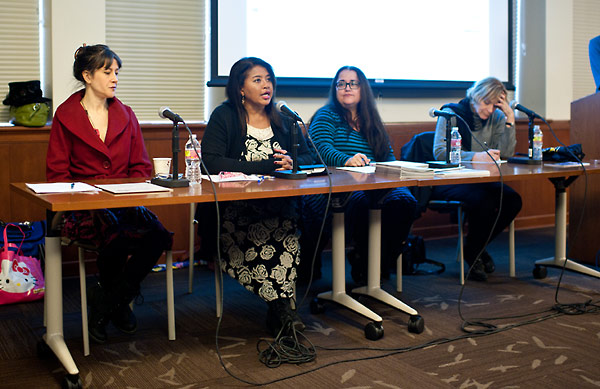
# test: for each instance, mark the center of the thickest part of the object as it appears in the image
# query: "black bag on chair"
(414, 256)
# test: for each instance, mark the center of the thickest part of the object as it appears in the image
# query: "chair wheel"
(540, 272)
(416, 324)
(316, 307)
(374, 330)
(72, 381)
(43, 350)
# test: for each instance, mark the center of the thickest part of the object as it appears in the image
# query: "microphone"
(434, 112)
(287, 111)
(515, 105)
(166, 113)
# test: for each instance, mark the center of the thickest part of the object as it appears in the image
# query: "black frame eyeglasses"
(340, 85)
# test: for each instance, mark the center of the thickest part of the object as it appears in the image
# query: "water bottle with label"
(192, 160)
(538, 138)
(455, 146)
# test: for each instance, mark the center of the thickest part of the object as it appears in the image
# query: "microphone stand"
(293, 174)
(529, 159)
(174, 181)
(447, 164)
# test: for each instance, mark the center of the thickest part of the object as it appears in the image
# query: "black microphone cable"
(477, 322)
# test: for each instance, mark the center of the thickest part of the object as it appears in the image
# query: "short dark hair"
(92, 58)
(237, 77)
(369, 121)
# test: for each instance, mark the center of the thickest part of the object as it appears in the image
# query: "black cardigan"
(223, 144)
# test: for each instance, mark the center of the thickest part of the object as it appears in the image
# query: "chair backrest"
(419, 148)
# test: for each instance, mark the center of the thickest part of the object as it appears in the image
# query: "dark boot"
(358, 267)
(280, 315)
(477, 272)
(100, 310)
(122, 316)
(488, 262)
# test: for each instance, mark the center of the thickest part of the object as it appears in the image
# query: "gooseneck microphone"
(435, 112)
(287, 111)
(515, 105)
(166, 113)
(174, 181)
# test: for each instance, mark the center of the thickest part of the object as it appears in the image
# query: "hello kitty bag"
(21, 277)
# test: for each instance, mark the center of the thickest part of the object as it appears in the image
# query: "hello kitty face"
(16, 280)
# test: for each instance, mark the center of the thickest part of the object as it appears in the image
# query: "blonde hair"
(488, 89)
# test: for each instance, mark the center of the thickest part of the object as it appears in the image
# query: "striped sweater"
(336, 141)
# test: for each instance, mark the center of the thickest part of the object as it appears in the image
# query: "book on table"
(405, 169)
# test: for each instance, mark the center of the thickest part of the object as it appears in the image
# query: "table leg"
(338, 294)
(54, 336)
(560, 245)
(373, 288)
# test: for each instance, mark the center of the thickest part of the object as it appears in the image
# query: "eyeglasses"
(343, 84)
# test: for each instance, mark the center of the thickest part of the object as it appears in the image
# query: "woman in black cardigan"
(259, 238)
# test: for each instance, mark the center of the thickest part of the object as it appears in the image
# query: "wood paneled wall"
(23, 156)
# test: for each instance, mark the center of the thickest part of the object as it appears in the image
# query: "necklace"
(89, 118)
(88, 115)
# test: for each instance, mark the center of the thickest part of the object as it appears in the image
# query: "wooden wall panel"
(584, 244)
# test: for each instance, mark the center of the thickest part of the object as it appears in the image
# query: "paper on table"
(566, 164)
(62, 187)
(133, 187)
(358, 169)
(462, 172)
(232, 177)
(500, 161)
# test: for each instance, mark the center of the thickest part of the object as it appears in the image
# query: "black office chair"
(420, 149)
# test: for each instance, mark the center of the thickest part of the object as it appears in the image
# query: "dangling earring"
(243, 99)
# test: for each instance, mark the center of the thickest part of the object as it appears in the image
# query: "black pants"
(130, 257)
(481, 204)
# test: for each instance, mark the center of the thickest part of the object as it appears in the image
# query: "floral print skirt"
(259, 243)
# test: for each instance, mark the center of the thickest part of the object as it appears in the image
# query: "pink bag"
(21, 277)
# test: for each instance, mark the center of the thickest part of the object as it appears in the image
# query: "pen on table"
(72, 185)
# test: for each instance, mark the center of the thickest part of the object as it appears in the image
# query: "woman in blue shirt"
(348, 131)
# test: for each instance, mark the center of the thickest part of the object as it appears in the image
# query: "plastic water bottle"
(538, 138)
(455, 146)
(192, 160)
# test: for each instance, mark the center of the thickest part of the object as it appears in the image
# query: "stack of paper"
(405, 169)
(461, 172)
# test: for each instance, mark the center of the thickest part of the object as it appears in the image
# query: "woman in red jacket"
(96, 136)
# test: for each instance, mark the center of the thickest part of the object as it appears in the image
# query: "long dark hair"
(237, 77)
(92, 58)
(369, 121)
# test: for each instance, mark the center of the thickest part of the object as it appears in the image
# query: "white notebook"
(133, 187)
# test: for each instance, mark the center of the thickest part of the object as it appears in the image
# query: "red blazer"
(76, 152)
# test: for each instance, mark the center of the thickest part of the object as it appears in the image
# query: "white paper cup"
(162, 166)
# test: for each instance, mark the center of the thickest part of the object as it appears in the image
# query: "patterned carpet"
(559, 352)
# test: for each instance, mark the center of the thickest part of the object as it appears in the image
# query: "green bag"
(30, 115)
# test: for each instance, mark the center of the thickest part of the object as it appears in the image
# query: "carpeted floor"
(559, 352)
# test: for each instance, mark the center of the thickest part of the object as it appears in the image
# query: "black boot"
(280, 315)
(477, 272)
(100, 310)
(122, 316)
(488, 262)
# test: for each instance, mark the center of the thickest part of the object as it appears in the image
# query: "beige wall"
(72, 23)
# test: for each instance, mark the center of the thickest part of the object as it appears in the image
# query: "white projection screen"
(397, 43)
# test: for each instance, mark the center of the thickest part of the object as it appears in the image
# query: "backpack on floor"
(413, 257)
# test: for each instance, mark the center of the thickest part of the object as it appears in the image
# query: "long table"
(341, 182)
